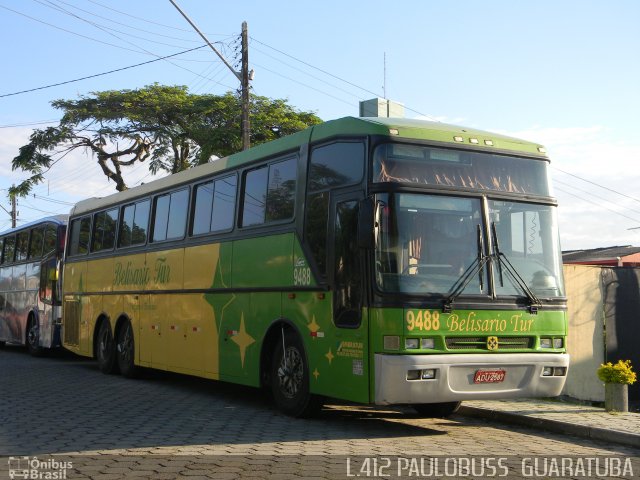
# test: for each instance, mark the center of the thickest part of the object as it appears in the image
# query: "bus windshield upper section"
(394, 162)
(426, 244)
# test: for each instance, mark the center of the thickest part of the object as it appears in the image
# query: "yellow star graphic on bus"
(243, 340)
(330, 356)
(316, 373)
(313, 326)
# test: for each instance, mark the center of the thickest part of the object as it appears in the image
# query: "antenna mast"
(384, 78)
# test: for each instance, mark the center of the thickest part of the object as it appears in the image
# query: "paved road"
(166, 426)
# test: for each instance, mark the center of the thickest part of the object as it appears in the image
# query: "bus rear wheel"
(125, 351)
(437, 410)
(105, 349)
(290, 379)
(33, 337)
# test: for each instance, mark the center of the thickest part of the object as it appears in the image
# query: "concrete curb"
(556, 426)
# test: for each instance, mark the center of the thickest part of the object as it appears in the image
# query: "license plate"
(489, 376)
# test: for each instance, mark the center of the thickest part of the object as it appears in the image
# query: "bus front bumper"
(467, 377)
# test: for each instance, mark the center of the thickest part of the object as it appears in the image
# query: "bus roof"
(347, 126)
(57, 219)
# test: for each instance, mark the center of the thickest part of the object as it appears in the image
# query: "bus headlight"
(429, 374)
(427, 343)
(552, 342)
(411, 343)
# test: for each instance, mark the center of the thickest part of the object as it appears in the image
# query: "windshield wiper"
(476, 267)
(504, 264)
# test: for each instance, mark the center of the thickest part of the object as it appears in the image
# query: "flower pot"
(616, 397)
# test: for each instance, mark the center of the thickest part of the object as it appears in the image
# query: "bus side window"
(348, 291)
(22, 246)
(48, 280)
(269, 193)
(9, 249)
(37, 239)
(79, 237)
(134, 224)
(50, 239)
(316, 228)
(170, 216)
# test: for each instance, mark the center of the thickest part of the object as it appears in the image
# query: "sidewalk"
(560, 417)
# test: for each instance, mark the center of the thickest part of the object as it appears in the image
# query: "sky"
(564, 74)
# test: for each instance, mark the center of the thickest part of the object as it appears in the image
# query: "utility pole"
(14, 213)
(243, 75)
(245, 126)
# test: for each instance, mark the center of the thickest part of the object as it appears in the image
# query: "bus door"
(48, 294)
(349, 347)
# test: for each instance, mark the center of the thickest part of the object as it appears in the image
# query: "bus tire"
(290, 379)
(106, 349)
(2, 344)
(126, 351)
(437, 410)
(33, 337)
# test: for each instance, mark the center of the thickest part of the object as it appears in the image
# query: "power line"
(139, 49)
(68, 31)
(150, 21)
(136, 28)
(332, 75)
(599, 205)
(314, 67)
(50, 4)
(306, 73)
(29, 124)
(53, 200)
(597, 184)
(591, 193)
(100, 74)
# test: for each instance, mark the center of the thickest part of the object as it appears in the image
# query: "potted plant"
(617, 378)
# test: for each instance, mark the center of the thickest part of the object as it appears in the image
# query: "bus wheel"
(105, 349)
(290, 379)
(125, 351)
(33, 338)
(436, 410)
(2, 344)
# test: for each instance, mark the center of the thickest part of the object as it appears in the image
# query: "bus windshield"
(400, 163)
(426, 243)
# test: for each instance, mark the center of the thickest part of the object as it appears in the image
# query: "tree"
(164, 125)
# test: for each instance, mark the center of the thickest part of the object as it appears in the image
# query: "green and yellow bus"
(374, 260)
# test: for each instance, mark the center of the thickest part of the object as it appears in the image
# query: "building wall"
(585, 341)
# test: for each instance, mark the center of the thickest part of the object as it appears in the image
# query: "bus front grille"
(481, 343)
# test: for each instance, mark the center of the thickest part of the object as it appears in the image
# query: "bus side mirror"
(365, 224)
